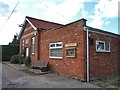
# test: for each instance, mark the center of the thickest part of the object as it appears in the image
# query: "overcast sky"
(102, 14)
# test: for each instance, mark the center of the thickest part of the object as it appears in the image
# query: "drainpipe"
(87, 59)
(38, 45)
(39, 30)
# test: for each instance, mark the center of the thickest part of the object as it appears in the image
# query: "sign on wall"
(71, 45)
(70, 49)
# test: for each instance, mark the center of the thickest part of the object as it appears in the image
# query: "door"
(27, 52)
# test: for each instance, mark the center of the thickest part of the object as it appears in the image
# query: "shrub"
(18, 59)
(14, 59)
(27, 63)
(21, 59)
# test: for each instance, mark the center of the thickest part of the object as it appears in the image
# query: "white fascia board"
(31, 24)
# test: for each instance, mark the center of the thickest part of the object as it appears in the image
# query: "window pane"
(100, 46)
(52, 45)
(56, 52)
(70, 52)
(32, 45)
(107, 47)
(57, 45)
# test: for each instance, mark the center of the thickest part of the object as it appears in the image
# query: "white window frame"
(104, 50)
(55, 47)
(33, 47)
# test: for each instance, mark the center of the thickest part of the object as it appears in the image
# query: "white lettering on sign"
(71, 45)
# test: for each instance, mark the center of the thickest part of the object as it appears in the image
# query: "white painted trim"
(55, 48)
(56, 57)
(31, 24)
(97, 41)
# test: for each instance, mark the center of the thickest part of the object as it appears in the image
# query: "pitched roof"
(38, 23)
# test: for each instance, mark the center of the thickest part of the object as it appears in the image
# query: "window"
(70, 52)
(102, 46)
(107, 46)
(56, 50)
(33, 45)
(22, 46)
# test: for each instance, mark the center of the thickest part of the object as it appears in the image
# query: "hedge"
(8, 51)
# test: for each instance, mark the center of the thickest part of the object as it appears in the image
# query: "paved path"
(17, 79)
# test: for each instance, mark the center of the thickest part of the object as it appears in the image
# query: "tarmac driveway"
(17, 79)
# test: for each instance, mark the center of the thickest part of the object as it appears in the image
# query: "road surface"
(12, 78)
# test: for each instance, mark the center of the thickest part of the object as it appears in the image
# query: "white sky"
(102, 14)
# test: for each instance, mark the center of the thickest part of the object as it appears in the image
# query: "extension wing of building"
(69, 49)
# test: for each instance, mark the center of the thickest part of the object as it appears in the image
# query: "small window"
(55, 50)
(33, 45)
(70, 52)
(102, 46)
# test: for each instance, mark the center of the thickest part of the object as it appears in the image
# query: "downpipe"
(87, 50)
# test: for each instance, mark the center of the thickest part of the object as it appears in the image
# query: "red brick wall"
(27, 35)
(72, 33)
(103, 64)
(119, 54)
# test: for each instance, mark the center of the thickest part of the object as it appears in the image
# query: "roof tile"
(38, 23)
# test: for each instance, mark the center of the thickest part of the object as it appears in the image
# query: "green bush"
(27, 63)
(18, 59)
(14, 59)
(21, 59)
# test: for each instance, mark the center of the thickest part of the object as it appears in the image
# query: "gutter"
(87, 50)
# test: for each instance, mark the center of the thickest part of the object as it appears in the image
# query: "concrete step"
(39, 72)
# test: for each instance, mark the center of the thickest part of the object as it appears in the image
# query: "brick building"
(72, 49)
